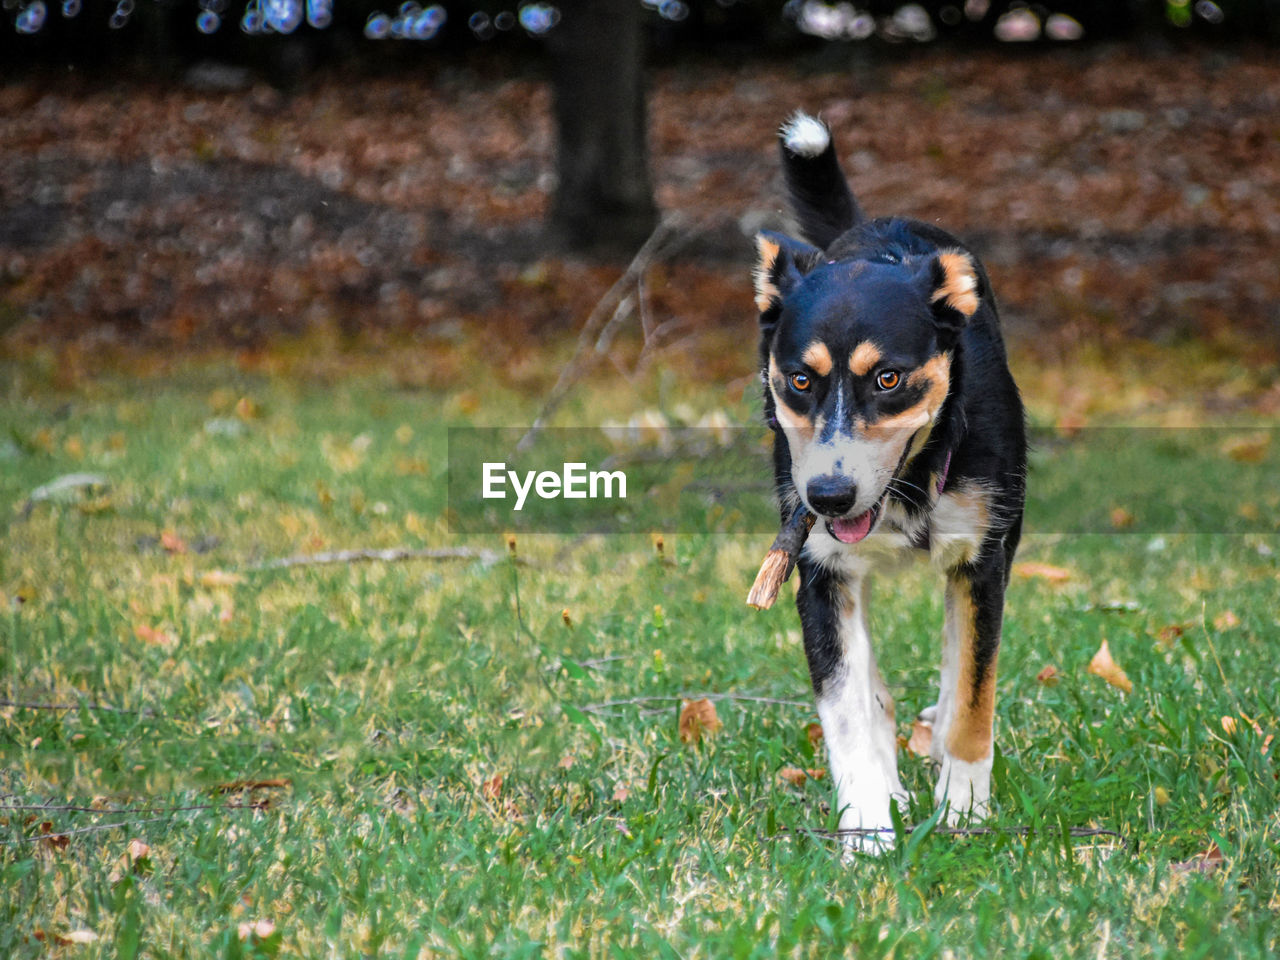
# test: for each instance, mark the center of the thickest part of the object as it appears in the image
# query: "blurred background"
(421, 186)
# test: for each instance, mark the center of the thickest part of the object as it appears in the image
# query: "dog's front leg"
(962, 734)
(853, 704)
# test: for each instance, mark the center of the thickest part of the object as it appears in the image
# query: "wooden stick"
(781, 559)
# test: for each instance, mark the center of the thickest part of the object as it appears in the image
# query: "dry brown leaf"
(567, 762)
(1104, 666)
(1049, 676)
(58, 841)
(1250, 448)
(213, 579)
(1172, 632)
(814, 732)
(793, 775)
(235, 786)
(1121, 518)
(698, 719)
(1226, 621)
(564, 615)
(921, 741)
(172, 543)
(138, 850)
(1042, 571)
(621, 792)
(74, 937)
(1206, 861)
(491, 789)
(154, 636)
(261, 929)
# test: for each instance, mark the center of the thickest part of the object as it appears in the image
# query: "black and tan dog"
(898, 424)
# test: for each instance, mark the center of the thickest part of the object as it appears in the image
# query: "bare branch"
(392, 555)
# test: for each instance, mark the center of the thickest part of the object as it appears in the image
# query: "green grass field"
(427, 757)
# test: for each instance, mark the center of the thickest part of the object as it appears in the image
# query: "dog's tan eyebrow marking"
(935, 377)
(818, 357)
(864, 358)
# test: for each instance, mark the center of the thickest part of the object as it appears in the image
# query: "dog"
(899, 426)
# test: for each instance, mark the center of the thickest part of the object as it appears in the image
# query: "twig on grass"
(31, 705)
(391, 555)
(607, 705)
(1020, 831)
(67, 808)
(608, 314)
(56, 835)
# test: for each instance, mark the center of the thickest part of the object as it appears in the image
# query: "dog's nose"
(832, 495)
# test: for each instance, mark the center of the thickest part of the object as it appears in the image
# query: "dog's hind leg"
(965, 713)
(853, 704)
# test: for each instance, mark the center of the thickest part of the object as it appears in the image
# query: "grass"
(448, 779)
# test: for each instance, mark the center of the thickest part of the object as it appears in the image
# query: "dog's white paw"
(867, 819)
(929, 714)
(965, 787)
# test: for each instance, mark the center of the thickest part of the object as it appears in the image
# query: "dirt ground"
(1113, 196)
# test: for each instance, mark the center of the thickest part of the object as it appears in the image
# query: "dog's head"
(857, 358)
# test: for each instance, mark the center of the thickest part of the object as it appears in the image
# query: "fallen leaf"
(1225, 621)
(1121, 518)
(58, 841)
(172, 543)
(75, 936)
(1206, 861)
(621, 792)
(491, 789)
(138, 850)
(567, 762)
(213, 579)
(1042, 571)
(564, 615)
(698, 719)
(1048, 676)
(154, 636)
(1172, 632)
(1104, 666)
(259, 929)
(796, 776)
(1250, 448)
(235, 786)
(814, 732)
(921, 740)
(1161, 796)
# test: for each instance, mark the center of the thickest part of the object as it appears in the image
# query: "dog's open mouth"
(853, 529)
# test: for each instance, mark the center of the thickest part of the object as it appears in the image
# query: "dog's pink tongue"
(852, 529)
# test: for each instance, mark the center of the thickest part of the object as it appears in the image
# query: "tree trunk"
(604, 200)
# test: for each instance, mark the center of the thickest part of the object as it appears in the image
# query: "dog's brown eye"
(887, 379)
(800, 381)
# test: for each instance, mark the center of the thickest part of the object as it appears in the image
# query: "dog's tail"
(820, 195)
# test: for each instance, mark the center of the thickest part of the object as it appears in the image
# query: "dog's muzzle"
(833, 496)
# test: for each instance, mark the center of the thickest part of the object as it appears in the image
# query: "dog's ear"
(956, 292)
(781, 263)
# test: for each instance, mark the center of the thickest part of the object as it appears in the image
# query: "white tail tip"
(804, 135)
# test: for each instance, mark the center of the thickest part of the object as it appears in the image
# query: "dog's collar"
(942, 476)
